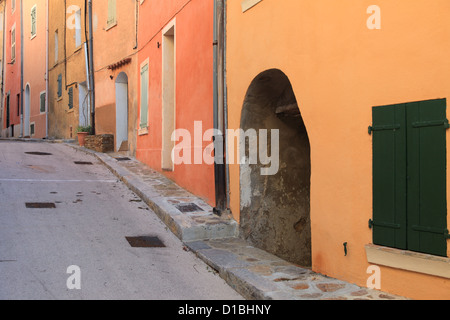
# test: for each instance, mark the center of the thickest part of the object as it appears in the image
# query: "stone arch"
(275, 209)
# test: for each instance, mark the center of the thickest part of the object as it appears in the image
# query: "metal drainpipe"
(218, 92)
(91, 67)
(21, 68)
(2, 102)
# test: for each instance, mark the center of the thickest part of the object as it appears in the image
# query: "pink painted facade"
(25, 85)
(12, 70)
(176, 43)
(35, 96)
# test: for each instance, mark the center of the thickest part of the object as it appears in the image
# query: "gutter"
(46, 69)
(21, 68)
(220, 164)
(91, 69)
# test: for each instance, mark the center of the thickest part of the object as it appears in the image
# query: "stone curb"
(183, 226)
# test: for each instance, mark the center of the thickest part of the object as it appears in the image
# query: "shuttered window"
(70, 98)
(13, 44)
(144, 97)
(409, 177)
(111, 13)
(59, 86)
(42, 102)
(33, 21)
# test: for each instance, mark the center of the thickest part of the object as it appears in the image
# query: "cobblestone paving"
(259, 275)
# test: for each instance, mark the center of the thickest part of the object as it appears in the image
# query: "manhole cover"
(40, 205)
(188, 207)
(36, 153)
(123, 159)
(83, 163)
(145, 242)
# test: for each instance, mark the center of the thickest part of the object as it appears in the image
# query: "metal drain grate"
(83, 163)
(36, 153)
(188, 207)
(145, 242)
(122, 159)
(40, 205)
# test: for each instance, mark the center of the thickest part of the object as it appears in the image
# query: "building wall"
(12, 69)
(35, 62)
(193, 23)
(113, 45)
(2, 64)
(339, 69)
(63, 121)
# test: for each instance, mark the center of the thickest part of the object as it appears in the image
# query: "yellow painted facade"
(67, 35)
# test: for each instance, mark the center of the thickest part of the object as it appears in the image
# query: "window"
(32, 129)
(144, 96)
(18, 105)
(70, 98)
(13, 6)
(409, 177)
(78, 28)
(56, 46)
(42, 102)
(13, 44)
(59, 86)
(33, 21)
(111, 13)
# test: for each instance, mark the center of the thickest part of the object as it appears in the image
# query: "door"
(26, 128)
(122, 112)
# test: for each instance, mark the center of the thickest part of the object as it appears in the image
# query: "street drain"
(40, 205)
(123, 159)
(35, 153)
(145, 242)
(83, 163)
(188, 207)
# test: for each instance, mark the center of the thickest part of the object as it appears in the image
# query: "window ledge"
(143, 131)
(408, 260)
(111, 25)
(248, 4)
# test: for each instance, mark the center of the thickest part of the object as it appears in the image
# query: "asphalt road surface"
(79, 249)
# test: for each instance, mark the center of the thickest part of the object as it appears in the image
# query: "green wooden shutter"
(144, 96)
(389, 176)
(70, 98)
(42, 102)
(427, 191)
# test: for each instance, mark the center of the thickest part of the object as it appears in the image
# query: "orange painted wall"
(339, 70)
(35, 62)
(194, 83)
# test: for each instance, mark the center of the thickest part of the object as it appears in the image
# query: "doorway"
(122, 112)
(275, 209)
(168, 97)
(26, 117)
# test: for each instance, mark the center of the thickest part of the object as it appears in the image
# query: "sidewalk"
(252, 272)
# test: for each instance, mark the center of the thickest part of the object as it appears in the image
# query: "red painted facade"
(12, 75)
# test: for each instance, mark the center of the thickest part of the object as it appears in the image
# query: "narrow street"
(86, 220)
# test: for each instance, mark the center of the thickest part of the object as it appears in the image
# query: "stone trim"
(408, 260)
(248, 4)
